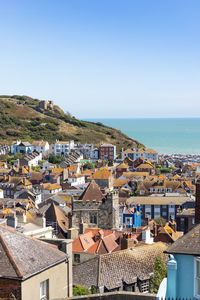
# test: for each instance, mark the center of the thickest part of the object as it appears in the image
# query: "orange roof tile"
(102, 174)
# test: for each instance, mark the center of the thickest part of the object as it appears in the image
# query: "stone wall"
(106, 211)
(117, 296)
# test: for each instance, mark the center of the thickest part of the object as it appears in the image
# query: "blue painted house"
(183, 268)
(132, 217)
(23, 147)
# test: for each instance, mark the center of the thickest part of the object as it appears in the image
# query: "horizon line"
(131, 118)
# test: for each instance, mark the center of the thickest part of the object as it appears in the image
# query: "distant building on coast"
(142, 153)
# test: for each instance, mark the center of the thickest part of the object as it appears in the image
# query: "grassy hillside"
(22, 118)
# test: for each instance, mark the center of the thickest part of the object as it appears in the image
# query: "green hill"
(22, 118)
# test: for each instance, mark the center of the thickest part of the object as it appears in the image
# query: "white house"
(41, 146)
(51, 188)
(12, 147)
(142, 153)
(61, 148)
(32, 159)
(1, 194)
(76, 179)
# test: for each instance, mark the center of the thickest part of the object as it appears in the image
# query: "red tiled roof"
(95, 240)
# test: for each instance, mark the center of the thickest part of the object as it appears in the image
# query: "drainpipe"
(171, 277)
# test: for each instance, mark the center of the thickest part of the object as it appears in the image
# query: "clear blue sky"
(104, 58)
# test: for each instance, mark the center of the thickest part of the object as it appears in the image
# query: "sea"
(166, 135)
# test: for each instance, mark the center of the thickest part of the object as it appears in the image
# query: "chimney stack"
(197, 203)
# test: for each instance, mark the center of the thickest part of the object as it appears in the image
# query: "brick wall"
(10, 289)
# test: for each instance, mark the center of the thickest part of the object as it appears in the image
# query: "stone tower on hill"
(45, 104)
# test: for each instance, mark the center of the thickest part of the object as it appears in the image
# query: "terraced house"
(140, 153)
(31, 269)
(161, 206)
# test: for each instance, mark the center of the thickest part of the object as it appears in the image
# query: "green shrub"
(55, 159)
(160, 272)
(79, 290)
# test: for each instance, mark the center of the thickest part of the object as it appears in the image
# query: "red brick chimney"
(197, 203)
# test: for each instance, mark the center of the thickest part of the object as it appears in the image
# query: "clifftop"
(22, 117)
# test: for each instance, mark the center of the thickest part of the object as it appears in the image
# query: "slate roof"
(36, 176)
(110, 270)
(23, 256)
(159, 200)
(188, 244)
(54, 213)
(27, 144)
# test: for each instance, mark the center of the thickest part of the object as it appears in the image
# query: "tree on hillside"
(159, 273)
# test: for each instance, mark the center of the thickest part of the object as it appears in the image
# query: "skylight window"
(86, 240)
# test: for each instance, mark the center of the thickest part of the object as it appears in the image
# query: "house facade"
(140, 153)
(41, 146)
(4, 149)
(132, 217)
(107, 152)
(159, 206)
(185, 219)
(85, 149)
(183, 268)
(61, 148)
(94, 155)
(21, 147)
(30, 159)
(37, 271)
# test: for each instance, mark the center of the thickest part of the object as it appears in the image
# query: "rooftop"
(23, 256)
(159, 200)
(188, 244)
(110, 270)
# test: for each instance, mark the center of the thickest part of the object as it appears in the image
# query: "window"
(197, 277)
(144, 286)
(44, 290)
(93, 218)
(128, 221)
(156, 215)
(77, 258)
